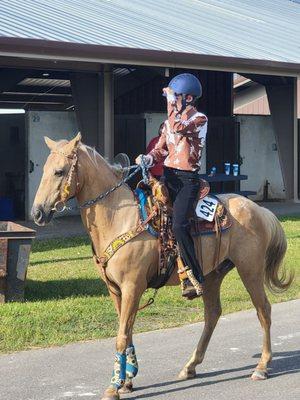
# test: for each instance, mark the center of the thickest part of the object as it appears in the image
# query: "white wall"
(54, 124)
(260, 157)
(153, 120)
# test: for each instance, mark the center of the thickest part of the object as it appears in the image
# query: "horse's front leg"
(131, 360)
(131, 294)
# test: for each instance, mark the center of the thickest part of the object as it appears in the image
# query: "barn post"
(108, 111)
(86, 90)
(283, 106)
(296, 144)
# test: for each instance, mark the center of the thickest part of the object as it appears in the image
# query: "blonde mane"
(95, 158)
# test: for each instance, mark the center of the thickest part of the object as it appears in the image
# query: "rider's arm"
(160, 150)
(177, 125)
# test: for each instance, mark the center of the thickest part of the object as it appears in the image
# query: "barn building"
(100, 69)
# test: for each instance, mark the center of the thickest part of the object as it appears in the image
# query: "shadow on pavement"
(283, 363)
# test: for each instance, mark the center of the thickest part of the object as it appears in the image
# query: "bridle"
(61, 205)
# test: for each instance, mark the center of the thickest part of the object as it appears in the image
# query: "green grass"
(67, 302)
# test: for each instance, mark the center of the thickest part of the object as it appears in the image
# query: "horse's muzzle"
(40, 216)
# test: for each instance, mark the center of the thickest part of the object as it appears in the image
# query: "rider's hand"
(167, 90)
(138, 160)
(169, 93)
(148, 159)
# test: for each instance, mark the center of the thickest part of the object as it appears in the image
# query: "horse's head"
(59, 181)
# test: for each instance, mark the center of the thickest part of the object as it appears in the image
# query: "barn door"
(130, 138)
(222, 145)
(298, 158)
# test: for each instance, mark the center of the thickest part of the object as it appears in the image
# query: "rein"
(61, 206)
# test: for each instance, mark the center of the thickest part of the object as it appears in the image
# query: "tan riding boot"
(190, 287)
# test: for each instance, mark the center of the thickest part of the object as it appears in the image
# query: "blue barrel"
(6, 209)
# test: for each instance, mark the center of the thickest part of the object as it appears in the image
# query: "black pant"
(183, 187)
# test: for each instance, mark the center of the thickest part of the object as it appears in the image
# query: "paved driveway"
(82, 370)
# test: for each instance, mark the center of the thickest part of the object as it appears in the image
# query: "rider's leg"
(182, 209)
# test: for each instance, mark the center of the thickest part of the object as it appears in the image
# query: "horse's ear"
(77, 138)
(72, 145)
(50, 143)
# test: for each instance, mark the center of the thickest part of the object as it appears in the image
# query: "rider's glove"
(148, 160)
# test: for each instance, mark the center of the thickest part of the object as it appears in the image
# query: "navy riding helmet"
(186, 84)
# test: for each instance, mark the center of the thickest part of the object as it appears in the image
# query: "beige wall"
(260, 104)
(259, 152)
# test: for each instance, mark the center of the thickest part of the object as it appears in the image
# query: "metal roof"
(247, 29)
(45, 82)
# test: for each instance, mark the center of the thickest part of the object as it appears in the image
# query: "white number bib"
(206, 208)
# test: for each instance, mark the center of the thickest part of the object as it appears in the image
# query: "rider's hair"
(160, 128)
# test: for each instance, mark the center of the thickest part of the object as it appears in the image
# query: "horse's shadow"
(60, 260)
(65, 243)
(61, 289)
(287, 362)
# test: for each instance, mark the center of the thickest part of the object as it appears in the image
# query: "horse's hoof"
(111, 397)
(186, 374)
(259, 375)
(110, 394)
(127, 388)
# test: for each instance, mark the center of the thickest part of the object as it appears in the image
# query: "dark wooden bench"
(222, 178)
(244, 193)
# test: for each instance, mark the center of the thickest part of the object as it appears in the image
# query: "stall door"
(12, 166)
(299, 158)
(54, 124)
(222, 145)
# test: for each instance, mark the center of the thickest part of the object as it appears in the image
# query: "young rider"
(182, 140)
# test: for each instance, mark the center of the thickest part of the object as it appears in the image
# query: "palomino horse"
(256, 244)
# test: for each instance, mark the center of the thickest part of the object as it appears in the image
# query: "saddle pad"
(198, 226)
(221, 220)
(141, 197)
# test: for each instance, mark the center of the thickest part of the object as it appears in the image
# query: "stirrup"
(189, 291)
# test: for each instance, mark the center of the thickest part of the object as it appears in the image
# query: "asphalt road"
(83, 370)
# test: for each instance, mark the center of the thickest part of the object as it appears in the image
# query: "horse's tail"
(276, 281)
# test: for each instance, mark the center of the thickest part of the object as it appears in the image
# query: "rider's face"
(178, 101)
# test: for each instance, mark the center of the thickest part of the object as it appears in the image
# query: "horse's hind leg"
(253, 281)
(212, 312)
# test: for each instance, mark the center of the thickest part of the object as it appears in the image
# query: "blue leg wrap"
(131, 362)
(119, 372)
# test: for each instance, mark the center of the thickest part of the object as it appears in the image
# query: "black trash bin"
(15, 246)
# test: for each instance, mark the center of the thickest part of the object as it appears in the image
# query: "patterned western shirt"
(182, 139)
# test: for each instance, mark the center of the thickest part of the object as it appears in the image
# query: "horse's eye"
(59, 172)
